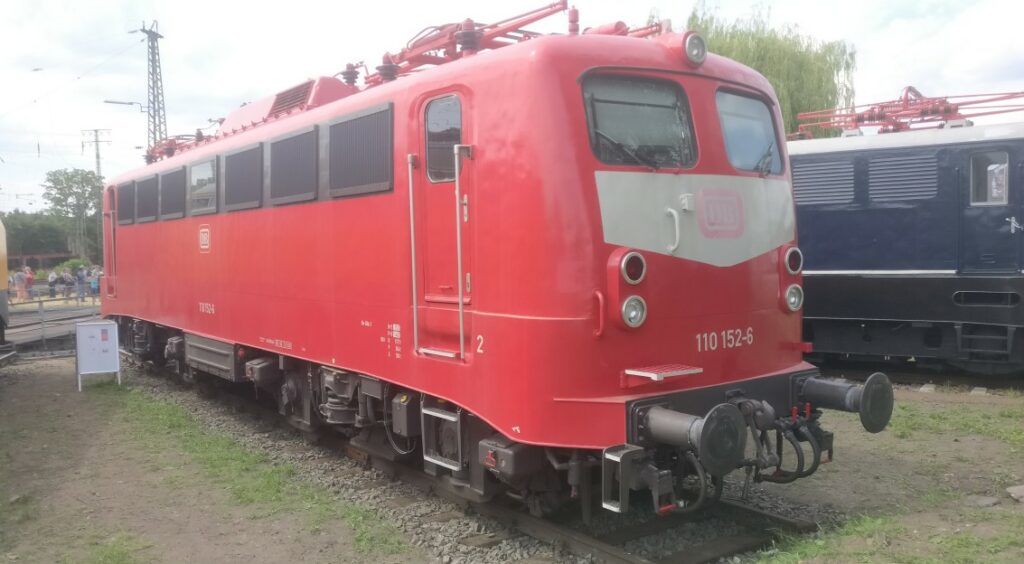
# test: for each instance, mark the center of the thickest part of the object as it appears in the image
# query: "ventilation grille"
(292, 98)
(903, 178)
(828, 182)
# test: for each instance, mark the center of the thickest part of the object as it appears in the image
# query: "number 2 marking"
(480, 344)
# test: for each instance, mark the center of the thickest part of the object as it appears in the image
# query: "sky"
(60, 59)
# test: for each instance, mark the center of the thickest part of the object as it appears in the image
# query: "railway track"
(76, 314)
(754, 528)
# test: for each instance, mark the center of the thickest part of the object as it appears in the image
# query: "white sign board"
(97, 349)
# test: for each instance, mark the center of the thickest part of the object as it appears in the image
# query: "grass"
(872, 535)
(1003, 424)
(887, 539)
(248, 476)
(119, 549)
(15, 511)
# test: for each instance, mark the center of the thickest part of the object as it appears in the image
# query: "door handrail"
(458, 152)
(411, 160)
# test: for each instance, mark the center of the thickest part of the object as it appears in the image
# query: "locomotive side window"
(749, 132)
(172, 194)
(360, 153)
(243, 179)
(989, 178)
(126, 203)
(639, 121)
(146, 200)
(202, 187)
(293, 168)
(444, 131)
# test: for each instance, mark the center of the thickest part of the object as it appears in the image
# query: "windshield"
(750, 139)
(639, 121)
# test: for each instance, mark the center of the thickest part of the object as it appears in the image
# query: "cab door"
(990, 224)
(442, 196)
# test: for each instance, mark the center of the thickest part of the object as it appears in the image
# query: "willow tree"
(807, 74)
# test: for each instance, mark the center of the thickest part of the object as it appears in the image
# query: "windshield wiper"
(764, 165)
(626, 150)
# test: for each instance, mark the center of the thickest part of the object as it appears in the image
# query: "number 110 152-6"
(724, 339)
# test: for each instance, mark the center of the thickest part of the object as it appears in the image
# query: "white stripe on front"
(635, 213)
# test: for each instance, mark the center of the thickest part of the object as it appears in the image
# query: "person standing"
(19, 284)
(80, 284)
(69, 283)
(51, 281)
(30, 280)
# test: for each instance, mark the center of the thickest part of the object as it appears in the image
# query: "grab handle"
(675, 226)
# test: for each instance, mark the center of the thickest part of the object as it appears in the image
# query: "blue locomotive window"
(989, 176)
(202, 187)
(444, 132)
(749, 132)
(639, 121)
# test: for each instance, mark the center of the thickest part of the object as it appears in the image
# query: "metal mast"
(157, 112)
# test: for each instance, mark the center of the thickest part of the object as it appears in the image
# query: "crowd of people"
(79, 283)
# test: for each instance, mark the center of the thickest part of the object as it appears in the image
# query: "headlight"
(633, 267)
(634, 311)
(695, 48)
(794, 297)
(794, 261)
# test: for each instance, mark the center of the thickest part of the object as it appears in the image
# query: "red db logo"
(720, 213)
(204, 238)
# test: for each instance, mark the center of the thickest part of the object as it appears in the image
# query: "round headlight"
(633, 267)
(634, 311)
(695, 48)
(794, 297)
(794, 260)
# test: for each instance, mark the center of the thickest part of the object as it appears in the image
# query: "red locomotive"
(529, 262)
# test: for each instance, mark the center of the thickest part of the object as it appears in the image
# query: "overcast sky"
(60, 59)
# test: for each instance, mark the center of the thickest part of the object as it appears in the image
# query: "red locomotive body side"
(544, 225)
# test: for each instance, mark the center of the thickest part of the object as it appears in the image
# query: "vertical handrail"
(458, 149)
(411, 160)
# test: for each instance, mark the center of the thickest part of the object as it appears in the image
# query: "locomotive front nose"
(719, 438)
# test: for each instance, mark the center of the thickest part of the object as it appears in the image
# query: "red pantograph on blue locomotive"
(541, 264)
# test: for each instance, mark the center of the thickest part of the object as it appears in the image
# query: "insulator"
(388, 72)
(468, 37)
(350, 74)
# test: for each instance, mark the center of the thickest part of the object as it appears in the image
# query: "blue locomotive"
(913, 245)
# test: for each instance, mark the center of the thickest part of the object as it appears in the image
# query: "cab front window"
(749, 133)
(638, 121)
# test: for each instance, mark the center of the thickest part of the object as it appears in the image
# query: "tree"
(75, 195)
(34, 233)
(807, 74)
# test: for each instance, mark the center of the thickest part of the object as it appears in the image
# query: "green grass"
(1003, 424)
(872, 535)
(891, 539)
(14, 512)
(248, 476)
(119, 549)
